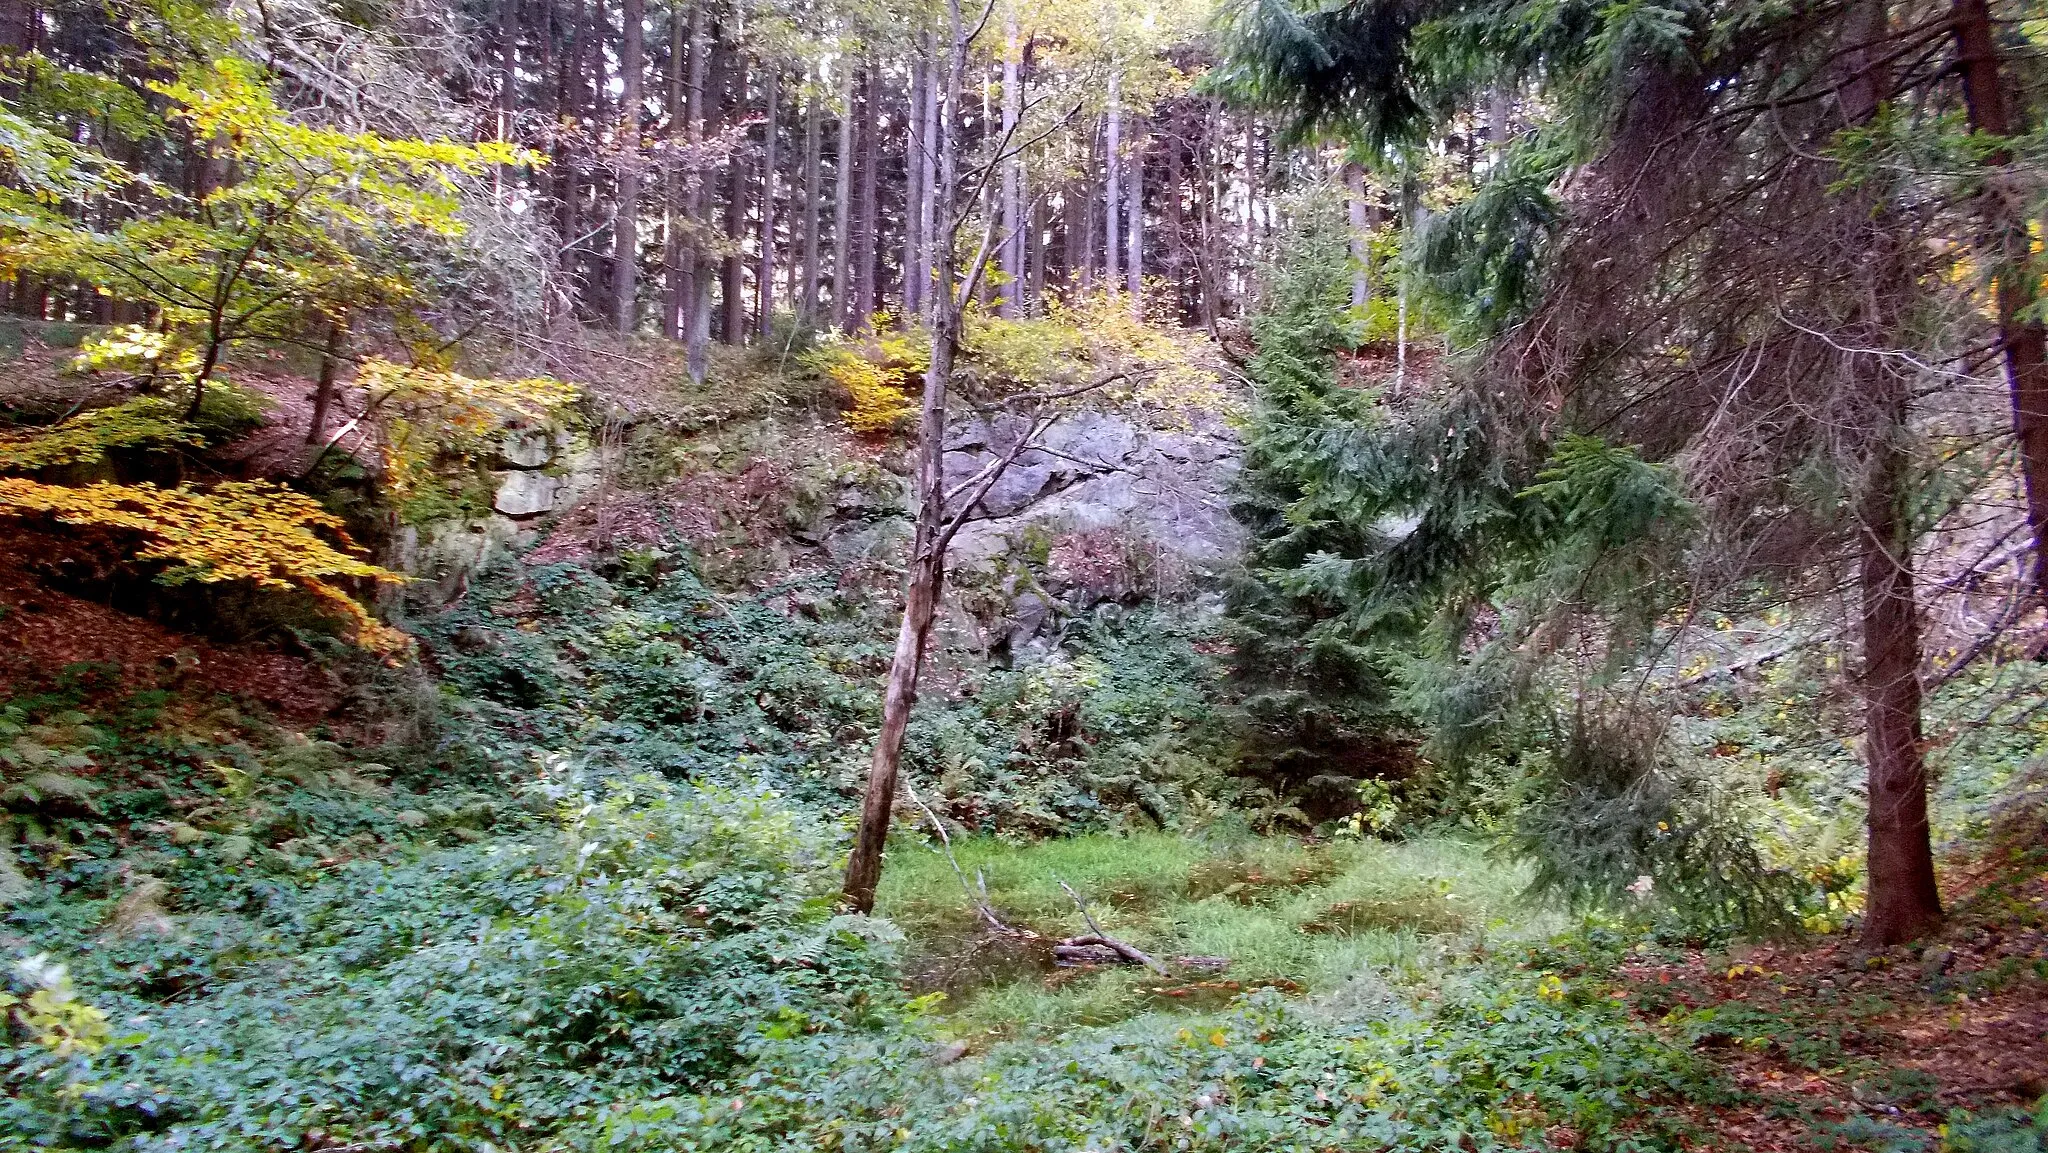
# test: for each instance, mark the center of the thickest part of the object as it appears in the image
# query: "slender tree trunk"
(596, 261)
(2024, 341)
(733, 327)
(626, 214)
(1112, 165)
(928, 547)
(1012, 248)
(1361, 255)
(866, 239)
(916, 181)
(507, 103)
(927, 294)
(1091, 211)
(842, 200)
(568, 189)
(1034, 256)
(1074, 220)
(813, 146)
(673, 197)
(330, 367)
(765, 287)
(1176, 215)
(1134, 227)
(707, 77)
(1903, 902)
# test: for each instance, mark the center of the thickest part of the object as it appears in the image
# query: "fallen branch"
(1100, 939)
(1083, 950)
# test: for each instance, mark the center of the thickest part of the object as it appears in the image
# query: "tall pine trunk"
(842, 198)
(568, 189)
(866, 247)
(707, 77)
(1112, 163)
(765, 286)
(927, 293)
(916, 181)
(507, 103)
(672, 198)
(1176, 216)
(1134, 226)
(2023, 341)
(732, 292)
(1903, 902)
(1354, 205)
(813, 146)
(626, 213)
(1012, 248)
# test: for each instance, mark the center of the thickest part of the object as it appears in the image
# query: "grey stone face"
(1097, 470)
(524, 494)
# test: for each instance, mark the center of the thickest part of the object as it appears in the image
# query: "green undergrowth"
(1223, 913)
(655, 670)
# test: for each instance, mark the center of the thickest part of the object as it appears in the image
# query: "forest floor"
(1835, 1045)
(1824, 1045)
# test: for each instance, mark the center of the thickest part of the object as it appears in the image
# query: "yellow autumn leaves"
(239, 530)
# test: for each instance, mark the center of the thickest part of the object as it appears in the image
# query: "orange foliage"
(246, 531)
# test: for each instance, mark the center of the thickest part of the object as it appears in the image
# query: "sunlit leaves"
(268, 536)
(143, 422)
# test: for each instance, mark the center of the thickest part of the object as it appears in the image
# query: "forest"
(1096, 576)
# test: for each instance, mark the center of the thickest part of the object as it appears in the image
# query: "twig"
(981, 906)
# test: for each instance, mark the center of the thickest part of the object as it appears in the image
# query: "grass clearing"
(1299, 916)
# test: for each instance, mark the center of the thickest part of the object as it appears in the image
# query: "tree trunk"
(765, 286)
(508, 68)
(733, 327)
(1012, 248)
(673, 194)
(1134, 227)
(1091, 211)
(1034, 256)
(842, 200)
(916, 182)
(330, 367)
(1903, 902)
(2023, 341)
(1074, 223)
(568, 190)
(926, 258)
(1361, 255)
(1176, 217)
(866, 248)
(1112, 162)
(813, 146)
(706, 77)
(626, 214)
(928, 547)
